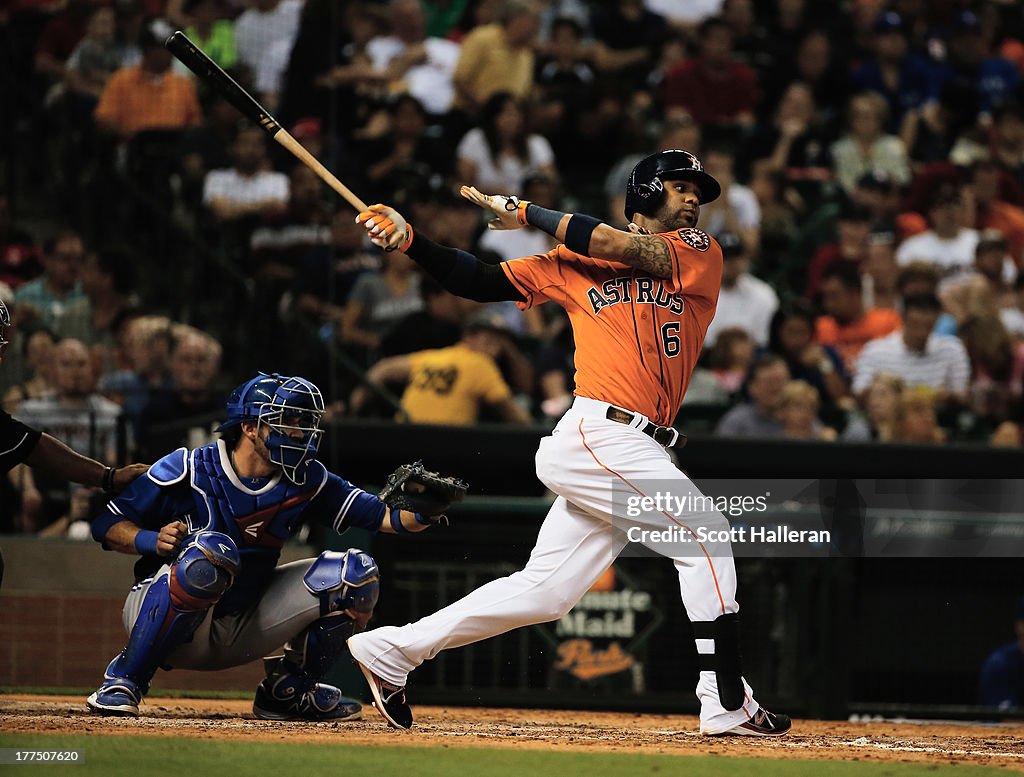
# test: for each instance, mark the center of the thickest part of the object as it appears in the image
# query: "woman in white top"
(499, 154)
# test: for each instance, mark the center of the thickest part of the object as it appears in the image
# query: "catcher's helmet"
(645, 185)
(291, 408)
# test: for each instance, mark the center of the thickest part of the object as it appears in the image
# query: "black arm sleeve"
(461, 273)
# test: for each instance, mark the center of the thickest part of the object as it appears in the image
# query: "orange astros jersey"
(637, 337)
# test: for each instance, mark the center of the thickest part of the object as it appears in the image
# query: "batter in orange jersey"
(640, 301)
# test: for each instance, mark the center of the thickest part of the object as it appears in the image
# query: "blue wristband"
(544, 219)
(578, 232)
(423, 521)
(145, 542)
(396, 521)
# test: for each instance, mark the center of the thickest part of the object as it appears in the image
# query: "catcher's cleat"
(117, 696)
(762, 724)
(389, 699)
(319, 703)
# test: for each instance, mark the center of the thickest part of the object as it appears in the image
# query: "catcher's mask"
(291, 408)
(646, 185)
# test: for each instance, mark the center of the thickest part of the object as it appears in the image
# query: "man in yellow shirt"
(498, 57)
(448, 385)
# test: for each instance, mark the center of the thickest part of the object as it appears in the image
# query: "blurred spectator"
(264, 35)
(420, 65)
(248, 188)
(1007, 435)
(207, 147)
(1008, 139)
(108, 281)
(77, 416)
(758, 417)
(922, 279)
(881, 402)
(744, 301)
(798, 413)
(556, 371)
(443, 16)
(96, 58)
(59, 38)
(880, 195)
(906, 81)
(997, 369)
(750, 37)
(46, 299)
(917, 355)
(627, 38)
(405, 153)
(730, 358)
(500, 154)
(991, 211)
(947, 245)
(37, 346)
(715, 86)
(846, 325)
(328, 273)
(438, 325)
(865, 146)
(148, 96)
(1013, 317)
(498, 57)
(880, 273)
(816, 66)
(939, 130)
(194, 364)
(19, 261)
(971, 64)
(566, 78)
(1002, 676)
(794, 145)
(853, 225)
(685, 15)
(380, 300)
(819, 366)
(737, 209)
(212, 31)
(989, 287)
(541, 190)
(147, 343)
(278, 246)
(449, 385)
(916, 422)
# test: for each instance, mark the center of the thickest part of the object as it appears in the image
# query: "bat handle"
(283, 137)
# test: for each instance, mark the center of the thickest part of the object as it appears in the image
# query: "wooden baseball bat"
(196, 60)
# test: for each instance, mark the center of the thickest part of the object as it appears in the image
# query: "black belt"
(665, 436)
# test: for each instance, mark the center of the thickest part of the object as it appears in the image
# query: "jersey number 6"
(670, 338)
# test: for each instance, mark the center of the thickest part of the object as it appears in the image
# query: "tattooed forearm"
(649, 253)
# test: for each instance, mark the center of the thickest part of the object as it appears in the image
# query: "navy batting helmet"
(645, 186)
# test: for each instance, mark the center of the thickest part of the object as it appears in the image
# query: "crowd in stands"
(157, 248)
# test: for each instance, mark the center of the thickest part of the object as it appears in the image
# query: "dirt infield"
(935, 742)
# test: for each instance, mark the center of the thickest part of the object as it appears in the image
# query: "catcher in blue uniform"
(209, 525)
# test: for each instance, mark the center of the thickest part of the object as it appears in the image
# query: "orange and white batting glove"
(387, 228)
(509, 210)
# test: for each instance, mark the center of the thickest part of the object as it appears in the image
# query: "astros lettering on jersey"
(638, 337)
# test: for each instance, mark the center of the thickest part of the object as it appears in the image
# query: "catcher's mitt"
(437, 494)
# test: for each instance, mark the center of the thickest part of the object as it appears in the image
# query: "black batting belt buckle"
(665, 436)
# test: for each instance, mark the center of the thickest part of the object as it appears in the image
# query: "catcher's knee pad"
(346, 582)
(725, 661)
(204, 570)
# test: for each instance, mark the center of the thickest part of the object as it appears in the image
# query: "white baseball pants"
(584, 461)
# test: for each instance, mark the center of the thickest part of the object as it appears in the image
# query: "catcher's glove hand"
(435, 494)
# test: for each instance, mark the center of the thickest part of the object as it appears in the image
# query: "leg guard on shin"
(174, 606)
(347, 585)
(725, 661)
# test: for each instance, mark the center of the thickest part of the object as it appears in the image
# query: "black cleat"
(388, 699)
(762, 724)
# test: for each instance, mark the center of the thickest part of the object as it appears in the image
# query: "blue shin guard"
(347, 585)
(174, 606)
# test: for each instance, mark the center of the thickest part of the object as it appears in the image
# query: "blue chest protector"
(259, 520)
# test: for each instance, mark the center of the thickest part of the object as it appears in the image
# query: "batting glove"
(387, 228)
(509, 210)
